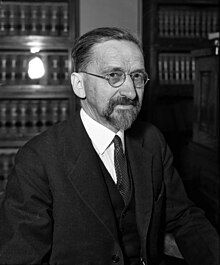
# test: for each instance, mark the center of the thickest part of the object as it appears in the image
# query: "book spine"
(192, 24)
(23, 20)
(197, 24)
(215, 24)
(11, 20)
(64, 20)
(171, 23)
(181, 19)
(3, 118)
(43, 114)
(22, 117)
(6, 164)
(13, 114)
(166, 24)
(160, 23)
(43, 18)
(186, 27)
(66, 69)
(54, 21)
(165, 69)
(177, 68)
(171, 70)
(54, 62)
(63, 110)
(193, 66)
(182, 69)
(3, 68)
(34, 20)
(2, 21)
(187, 69)
(176, 24)
(160, 69)
(209, 21)
(204, 24)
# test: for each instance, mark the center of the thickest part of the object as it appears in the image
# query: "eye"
(137, 75)
(115, 74)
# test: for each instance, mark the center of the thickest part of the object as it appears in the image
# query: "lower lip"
(124, 106)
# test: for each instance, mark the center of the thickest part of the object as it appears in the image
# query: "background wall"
(98, 13)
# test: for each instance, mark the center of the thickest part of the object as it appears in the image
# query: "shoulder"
(147, 132)
(57, 141)
(150, 138)
(58, 134)
(49, 137)
(44, 142)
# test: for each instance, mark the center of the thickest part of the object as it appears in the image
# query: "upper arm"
(26, 212)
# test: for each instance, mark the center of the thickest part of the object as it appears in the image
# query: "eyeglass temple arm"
(103, 77)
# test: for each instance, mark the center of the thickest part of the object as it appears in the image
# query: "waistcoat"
(125, 219)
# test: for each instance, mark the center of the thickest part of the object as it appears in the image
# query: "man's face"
(115, 108)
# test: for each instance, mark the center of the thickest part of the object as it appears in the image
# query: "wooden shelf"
(43, 42)
(12, 144)
(176, 44)
(34, 91)
(189, 2)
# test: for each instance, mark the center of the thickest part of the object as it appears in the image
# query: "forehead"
(117, 53)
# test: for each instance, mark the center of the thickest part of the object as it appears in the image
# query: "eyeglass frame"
(106, 77)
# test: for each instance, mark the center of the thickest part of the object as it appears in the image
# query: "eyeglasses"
(117, 78)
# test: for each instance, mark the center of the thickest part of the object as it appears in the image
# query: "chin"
(123, 119)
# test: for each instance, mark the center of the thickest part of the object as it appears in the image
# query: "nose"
(127, 89)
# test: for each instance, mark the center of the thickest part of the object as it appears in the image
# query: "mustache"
(123, 101)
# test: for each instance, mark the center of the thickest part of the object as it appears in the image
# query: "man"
(100, 188)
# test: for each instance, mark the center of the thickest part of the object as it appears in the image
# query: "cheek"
(99, 93)
(140, 93)
(98, 98)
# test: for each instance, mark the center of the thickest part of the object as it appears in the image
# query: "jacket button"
(115, 258)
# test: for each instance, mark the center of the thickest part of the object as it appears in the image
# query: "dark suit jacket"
(57, 209)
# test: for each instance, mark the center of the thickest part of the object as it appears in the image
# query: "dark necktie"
(123, 182)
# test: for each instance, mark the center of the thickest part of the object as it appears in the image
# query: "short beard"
(122, 119)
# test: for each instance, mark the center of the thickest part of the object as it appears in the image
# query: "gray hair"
(82, 50)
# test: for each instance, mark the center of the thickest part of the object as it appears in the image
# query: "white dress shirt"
(101, 138)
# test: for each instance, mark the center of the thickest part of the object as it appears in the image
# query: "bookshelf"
(201, 156)
(29, 106)
(182, 98)
(206, 99)
(171, 30)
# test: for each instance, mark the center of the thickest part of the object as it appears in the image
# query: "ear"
(78, 85)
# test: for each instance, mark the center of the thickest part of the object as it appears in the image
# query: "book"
(64, 110)
(2, 20)
(3, 117)
(34, 18)
(160, 69)
(54, 21)
(64, 17)
(177, 68)
(171, 74)
(6, 163)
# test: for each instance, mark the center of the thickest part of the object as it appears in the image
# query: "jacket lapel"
(86, 177)
(141, 167)
(84, 172)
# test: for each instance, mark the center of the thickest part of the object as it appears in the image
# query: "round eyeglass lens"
(139, 79)
(116, 79)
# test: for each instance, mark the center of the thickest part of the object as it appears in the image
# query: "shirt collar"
(100, 136)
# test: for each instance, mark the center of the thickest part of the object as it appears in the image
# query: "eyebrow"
(113, 69)
(108, 69)
(141, 70)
